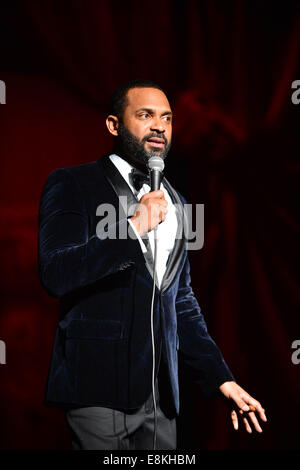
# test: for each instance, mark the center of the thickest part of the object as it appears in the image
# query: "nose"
(157, 125)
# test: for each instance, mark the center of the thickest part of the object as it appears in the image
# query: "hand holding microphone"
(152, 207)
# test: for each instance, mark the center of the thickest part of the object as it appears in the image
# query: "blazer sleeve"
(68, 257)
(196, 346)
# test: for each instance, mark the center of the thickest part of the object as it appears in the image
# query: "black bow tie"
(138, 178)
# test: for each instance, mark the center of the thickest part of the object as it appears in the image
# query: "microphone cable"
(155, 166)
(152, 337)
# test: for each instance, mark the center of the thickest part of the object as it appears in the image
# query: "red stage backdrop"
(228, 69)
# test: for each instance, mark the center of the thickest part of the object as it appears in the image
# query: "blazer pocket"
(95, 329)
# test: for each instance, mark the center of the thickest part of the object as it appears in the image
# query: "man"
(106, 346)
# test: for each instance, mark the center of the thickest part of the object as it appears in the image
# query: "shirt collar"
(124, 168)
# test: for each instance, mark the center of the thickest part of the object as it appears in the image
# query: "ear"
(112, 124)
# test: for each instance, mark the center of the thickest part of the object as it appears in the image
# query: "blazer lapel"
(175, 256)
(127, 202)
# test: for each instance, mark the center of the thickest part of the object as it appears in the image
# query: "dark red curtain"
(228, 68)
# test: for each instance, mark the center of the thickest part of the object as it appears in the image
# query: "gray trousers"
(99, 428)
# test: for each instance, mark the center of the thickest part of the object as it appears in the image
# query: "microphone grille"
(156, 163)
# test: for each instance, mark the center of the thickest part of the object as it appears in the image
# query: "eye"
(144, 115)
(167, 118)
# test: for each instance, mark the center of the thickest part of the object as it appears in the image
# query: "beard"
(134, 150)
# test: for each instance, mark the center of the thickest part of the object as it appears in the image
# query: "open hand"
(244, 407)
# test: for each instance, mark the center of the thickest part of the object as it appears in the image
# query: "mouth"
(156, 142)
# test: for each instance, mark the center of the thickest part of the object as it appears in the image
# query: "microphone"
(155, 167)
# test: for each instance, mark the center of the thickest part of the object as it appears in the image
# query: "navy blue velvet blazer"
(102, 353)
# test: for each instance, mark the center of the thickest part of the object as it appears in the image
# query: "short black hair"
(118, 100)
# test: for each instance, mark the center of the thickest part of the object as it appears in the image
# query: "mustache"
(154, 134)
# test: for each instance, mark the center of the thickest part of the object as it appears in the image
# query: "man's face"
(146, 127)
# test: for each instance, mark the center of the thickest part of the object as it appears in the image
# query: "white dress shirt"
(166, 230)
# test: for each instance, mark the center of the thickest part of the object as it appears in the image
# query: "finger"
(158, 193)
(260, 410)
(164, 214)
(255, 406)
(247, 425)
(234, 420)
(251, 416)
(255, 422)
(241, 403)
